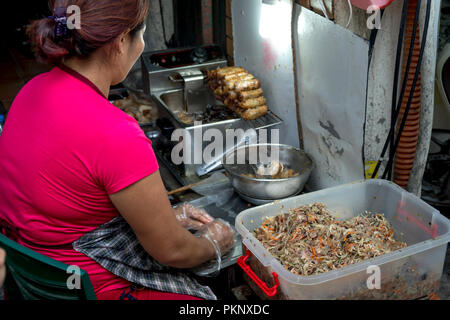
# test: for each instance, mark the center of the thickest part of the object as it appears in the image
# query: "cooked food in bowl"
(275, 170)
(281, 177)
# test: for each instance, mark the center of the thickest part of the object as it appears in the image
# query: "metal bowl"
(267, 189)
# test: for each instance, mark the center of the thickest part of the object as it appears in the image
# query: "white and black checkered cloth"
(115, 247)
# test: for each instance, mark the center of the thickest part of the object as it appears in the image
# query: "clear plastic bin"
(409, 273)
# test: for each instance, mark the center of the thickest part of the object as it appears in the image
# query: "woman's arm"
(146, 208)
(2, 267)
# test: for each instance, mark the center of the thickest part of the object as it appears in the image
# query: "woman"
(71, 161)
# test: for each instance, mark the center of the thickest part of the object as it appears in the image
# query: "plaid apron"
(116, 248)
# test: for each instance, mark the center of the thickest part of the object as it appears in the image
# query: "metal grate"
(269, 120)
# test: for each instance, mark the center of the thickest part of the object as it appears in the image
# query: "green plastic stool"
(32, 276)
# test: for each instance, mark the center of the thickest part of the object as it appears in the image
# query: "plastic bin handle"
(270, 292)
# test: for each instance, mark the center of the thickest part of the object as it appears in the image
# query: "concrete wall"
(381, 76)
(154, 38)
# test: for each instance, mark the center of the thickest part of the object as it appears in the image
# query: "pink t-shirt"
(63, 150)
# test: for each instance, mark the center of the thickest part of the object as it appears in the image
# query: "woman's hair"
(101, 22)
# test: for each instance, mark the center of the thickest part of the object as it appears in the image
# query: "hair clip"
(59, 16)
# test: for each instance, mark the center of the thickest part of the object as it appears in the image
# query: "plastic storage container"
(409, 273)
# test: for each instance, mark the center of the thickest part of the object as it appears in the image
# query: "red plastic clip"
(270, 292)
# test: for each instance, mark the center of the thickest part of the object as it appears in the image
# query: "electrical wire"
(324, 10)
(397, 109)
(416, 77)
(351, 13)
(388, 169)
(373, 38)
(397, 72)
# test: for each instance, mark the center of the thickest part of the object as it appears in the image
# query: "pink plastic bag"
(365, 4)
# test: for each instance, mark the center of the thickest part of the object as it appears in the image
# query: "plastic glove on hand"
(191, 217)
(221, 234)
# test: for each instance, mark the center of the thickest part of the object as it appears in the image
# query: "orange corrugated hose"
(406, 151)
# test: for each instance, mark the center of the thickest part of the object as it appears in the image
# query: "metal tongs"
(250, 138)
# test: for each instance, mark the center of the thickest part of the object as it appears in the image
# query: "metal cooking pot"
(267, 189)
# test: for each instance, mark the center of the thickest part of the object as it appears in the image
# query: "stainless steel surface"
(153, 133)
(172, 103)
(332, 97)
(174, 88)
(259, 202)
(268, 121)
(268, 189)
(175, 79)
(208, 167)
(193, 81)
(156, 78)
(263, 45)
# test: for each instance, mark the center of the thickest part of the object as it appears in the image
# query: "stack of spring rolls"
(239, 90)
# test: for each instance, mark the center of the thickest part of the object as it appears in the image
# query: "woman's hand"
(146, 208)
(2, 266)
(191, 217)
(220, 233)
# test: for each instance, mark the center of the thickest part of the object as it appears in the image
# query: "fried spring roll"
(230, 70)
(232, 84)
(247, 85)
(212, 74)
(255, 113)
(234, 76)
(213, 85)
(219, 91)
(252, 94)
(230, 104)
(252, 103)
(232, 95)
